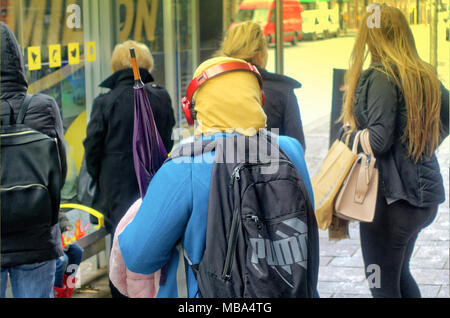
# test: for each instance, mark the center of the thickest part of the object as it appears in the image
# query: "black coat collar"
(268, 76)
(126, 77)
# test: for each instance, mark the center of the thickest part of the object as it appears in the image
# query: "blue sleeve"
(294, 151)
(147, 242)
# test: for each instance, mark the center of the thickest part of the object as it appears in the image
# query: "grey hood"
(12, 68)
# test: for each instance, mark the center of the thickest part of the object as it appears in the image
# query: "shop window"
(50, 33)
(142, 21)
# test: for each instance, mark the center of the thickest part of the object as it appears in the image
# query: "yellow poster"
(34, 58)
(54, 55)
(91, 51)
(73, 51)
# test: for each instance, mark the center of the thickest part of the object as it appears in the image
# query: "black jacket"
(109, 141)
(281, 105)
(380, 107)
(44, 116)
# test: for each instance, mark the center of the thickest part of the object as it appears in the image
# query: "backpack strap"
(24, 108)
(11, 113)
(182, 287)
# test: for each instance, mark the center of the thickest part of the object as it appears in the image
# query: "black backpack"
(30, 180)
(262, 237)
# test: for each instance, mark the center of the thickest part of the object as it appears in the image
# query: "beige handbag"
(357, 198)
(328, 181)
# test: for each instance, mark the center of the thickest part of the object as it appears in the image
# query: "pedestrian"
(109, 136)
(68, 264)
(31, 244)
(246, 41)
(401, 102)
(175, 208)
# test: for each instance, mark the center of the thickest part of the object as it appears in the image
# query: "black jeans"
(388, 242)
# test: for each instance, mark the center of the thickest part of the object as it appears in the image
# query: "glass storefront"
(52, 38)
(67, 45)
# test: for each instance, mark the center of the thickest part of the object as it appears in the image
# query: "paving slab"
(341, 274)
(443, 292)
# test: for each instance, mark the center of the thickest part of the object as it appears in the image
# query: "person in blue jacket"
(176, 203)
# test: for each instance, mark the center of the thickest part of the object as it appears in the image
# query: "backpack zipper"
(236, 175)
(274, 220)
(24, 187)
(231, 249)
(18, 134)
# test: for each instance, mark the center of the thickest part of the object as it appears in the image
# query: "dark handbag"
(87, 189)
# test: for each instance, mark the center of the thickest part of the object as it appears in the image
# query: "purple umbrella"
(148, 150)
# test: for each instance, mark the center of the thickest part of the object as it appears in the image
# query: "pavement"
(341, 273)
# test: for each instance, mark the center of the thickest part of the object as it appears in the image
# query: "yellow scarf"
(230, 102)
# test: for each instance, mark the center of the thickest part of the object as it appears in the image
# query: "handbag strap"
(365, 142)
(367, 168)
(356, 142)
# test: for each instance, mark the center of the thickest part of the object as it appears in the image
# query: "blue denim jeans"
(61, 265)
(30, 280)
(72, 257)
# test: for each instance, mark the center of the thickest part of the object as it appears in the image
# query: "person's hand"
(68, 228)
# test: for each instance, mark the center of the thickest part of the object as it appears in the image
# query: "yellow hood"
(230, 102)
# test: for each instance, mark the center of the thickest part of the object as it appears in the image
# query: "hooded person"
(175, 207)
(30, 259)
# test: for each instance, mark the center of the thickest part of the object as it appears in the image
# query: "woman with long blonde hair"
(402, 103)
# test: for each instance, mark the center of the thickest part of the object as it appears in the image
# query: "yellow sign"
(91, 51)
(73, 51)
(34, 58)
(54, 55)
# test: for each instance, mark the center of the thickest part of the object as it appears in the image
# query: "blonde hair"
(392, 45)
(245, 41)
(121, 60)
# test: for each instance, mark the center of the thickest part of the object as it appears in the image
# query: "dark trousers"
(388, 242)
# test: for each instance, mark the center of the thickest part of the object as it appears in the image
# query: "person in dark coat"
(32, 265)
(401, 102)
(246, 41)
(109, 137)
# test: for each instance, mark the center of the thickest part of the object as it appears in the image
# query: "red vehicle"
(263, 13)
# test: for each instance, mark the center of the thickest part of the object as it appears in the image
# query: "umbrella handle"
(137, 75)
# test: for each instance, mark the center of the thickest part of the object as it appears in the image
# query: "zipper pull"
(235, 176)
(255, 219)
